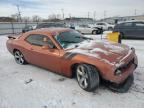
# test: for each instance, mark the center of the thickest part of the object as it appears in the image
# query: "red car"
(69, 53)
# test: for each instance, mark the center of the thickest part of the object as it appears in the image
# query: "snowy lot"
(29, 86)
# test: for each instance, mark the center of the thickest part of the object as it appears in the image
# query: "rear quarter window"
(139, 24)
(35, 40)
(129, 24)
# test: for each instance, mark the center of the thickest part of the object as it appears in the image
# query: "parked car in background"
(104, 25)
(67, 52)
(86, 29)
(28, 28)
(42, 25)
(48, 25)
(130, 29)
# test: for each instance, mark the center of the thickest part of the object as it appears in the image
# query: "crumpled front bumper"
(124, 87)
(118, 79)
(122, 83)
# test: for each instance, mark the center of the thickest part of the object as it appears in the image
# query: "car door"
(80, 29)
(37, 55)
(128, 29)
(139, 29)
(85, 29)
(102, 25)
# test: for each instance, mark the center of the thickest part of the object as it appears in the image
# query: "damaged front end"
(122, 88)
(124, 73)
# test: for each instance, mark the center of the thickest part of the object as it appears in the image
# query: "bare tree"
(58, 16)
(15, 16)
(26, 19)
(36, 18)
(52, 16)
(19, 14)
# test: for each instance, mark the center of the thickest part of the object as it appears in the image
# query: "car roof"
(101, 22)
(52, 30)
(130, 21)
(51, 23)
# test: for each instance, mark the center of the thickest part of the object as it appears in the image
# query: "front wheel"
(19, 58)
(87, 77)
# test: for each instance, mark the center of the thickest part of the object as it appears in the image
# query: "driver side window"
(38, 40)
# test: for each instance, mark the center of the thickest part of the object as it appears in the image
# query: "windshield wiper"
(83, 37)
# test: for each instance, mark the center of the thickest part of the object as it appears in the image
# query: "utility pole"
(70, 15)
(19, 13)
(94, 15)
(62, 13)
(105, 14)
(88, 14)
(135, 12)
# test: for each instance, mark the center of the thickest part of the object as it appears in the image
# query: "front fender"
(104, 67)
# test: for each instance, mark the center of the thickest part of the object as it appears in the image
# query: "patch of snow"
(99, 50)
(108, 62)
(85, 52)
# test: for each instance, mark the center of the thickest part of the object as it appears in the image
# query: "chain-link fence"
(14, 27)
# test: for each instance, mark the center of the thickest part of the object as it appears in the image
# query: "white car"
(85, 29)
(104, 25)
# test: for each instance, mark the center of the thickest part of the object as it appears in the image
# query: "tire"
(87, 77)
(19, 58)
(122, 35)
(94, 32)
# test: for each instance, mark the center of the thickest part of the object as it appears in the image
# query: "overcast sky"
(79, 8)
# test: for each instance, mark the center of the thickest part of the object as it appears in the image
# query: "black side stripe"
(69, 55)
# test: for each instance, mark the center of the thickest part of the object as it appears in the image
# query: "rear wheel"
(87, 77)
(94, 32)
(122, 35)
(19, 58)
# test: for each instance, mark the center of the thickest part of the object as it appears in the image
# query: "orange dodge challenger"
(67, 52)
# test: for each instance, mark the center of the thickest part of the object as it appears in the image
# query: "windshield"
(70, 38)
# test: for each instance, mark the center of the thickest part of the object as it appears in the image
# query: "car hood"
(109, 52)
